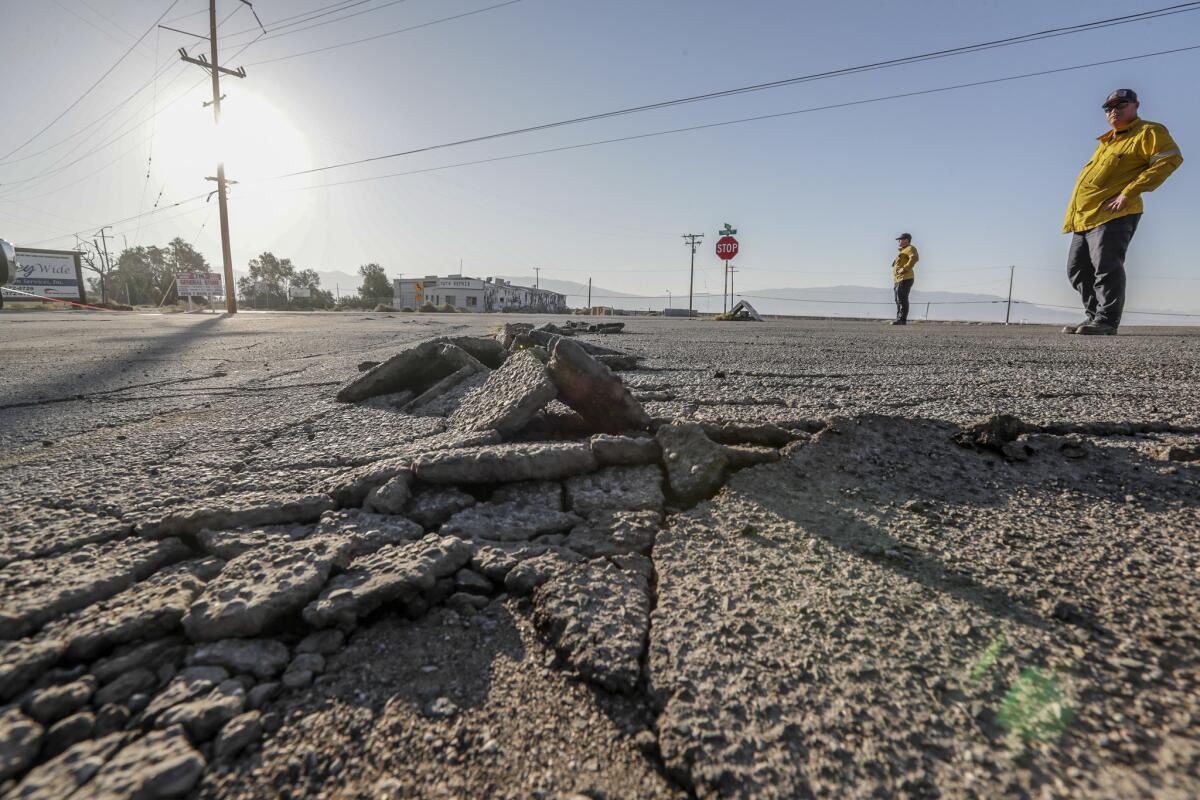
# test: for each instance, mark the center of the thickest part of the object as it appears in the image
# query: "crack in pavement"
(103, 392)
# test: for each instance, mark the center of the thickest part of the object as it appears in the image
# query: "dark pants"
(902, 290)
(1096, 267)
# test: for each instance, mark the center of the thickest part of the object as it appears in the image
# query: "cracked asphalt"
(881, 613)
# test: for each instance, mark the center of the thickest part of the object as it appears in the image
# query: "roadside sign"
(727, 247)
(47, 273)
(199, 284)
(299, 291)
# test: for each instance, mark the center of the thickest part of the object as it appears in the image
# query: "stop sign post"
(727, 248)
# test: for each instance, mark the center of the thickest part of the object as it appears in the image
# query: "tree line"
(144, 275)
(141, 275)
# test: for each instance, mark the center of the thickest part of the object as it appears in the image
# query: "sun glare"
(255, 138)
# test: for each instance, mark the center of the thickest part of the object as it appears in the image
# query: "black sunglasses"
(1115, 106)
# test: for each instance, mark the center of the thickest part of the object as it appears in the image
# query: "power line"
(93, 25)
(739, 121)
(273, 35)
(1140, 275)
(53, 169)
(275, 26)
(868, 302)
(155, 210)
(274, 22)
(1125, 311)
(24, 198)
(151, 212)
(385, 34)
(109, 116)
(1050, 33)
(692, 128)
(153, 129)
(106, 73)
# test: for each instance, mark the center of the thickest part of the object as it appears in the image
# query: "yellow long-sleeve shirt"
(1129, 162)
(906, 259)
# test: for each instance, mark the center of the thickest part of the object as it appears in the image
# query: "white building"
(474, 294)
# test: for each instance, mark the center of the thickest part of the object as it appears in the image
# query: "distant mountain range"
(860, 302)
(869, 302)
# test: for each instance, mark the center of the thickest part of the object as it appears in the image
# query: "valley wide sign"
(47, 273)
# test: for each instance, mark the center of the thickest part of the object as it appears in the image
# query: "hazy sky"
(980, 175)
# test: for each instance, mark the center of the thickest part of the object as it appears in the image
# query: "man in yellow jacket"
(1136, 156)
(903, 276)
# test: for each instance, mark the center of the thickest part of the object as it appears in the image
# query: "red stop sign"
(727, 247)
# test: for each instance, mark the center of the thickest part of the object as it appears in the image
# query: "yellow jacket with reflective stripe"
(1131, 161)
(902, 267)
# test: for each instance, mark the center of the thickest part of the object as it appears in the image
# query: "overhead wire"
(153, 211)
(276, 30)
(153, 127)
(729, 122)
(8, 188)
(93, 25)
(938, 54)
(1180, 8)
(102, 145)
(709, 125)
(91, 88)
(495, 159)
(384, 35)
(53, 168)
(102, 118)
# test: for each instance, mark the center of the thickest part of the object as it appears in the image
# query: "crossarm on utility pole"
(240, 72)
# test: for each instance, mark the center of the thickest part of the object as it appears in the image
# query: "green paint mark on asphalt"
(1036, 709)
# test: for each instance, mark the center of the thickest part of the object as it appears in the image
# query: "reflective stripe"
(1164, 154)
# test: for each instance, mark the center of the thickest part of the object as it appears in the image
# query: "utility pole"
(537, 275)
(589, 295)
(692, 240)
(1008, 309)
(107, 262)
(222, 206)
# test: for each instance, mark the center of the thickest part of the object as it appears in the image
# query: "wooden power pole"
(222, 205)
(692, 240)
(1008, 308)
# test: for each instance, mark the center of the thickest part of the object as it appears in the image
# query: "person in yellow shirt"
(1136, 156)
(902, 274)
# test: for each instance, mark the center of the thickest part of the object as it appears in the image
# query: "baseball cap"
(904, 236)
(1121, 96)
